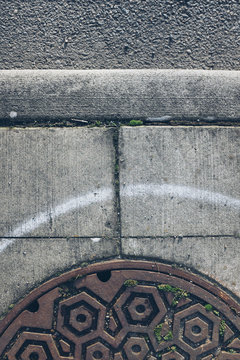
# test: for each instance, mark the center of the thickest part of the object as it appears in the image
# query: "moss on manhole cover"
(123, 310)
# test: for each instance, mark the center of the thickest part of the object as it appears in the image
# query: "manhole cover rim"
(129, 282)
(118, 264)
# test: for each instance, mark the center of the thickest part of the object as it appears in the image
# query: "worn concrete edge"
(23, 253)
(191, 254)
(109, 259)
(154, 96)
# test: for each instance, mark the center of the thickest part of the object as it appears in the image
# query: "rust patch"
(123, 310)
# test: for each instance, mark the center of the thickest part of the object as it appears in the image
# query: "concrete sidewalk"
(74, 195)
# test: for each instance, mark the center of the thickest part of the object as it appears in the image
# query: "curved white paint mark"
(96, 196)
(182, 192)
(5, 243)
(134, 190)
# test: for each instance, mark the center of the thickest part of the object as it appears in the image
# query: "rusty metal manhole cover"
(123, 310)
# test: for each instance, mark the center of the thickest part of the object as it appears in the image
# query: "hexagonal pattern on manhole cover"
(123, 309)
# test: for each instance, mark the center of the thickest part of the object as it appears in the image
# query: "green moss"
(222, 327)
(84, 264)
(174, 302)
(169, 336)
(64, 291)
(130, 283)
(157, 332)
(135, 123)
(167, 288)
(208, 307)
(96, 123)
(178, 293)
(232, 351)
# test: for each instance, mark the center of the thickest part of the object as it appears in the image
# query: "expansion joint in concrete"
(172, 237)
(94, 238)
(117, 186)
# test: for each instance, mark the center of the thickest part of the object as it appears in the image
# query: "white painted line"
(81, 201)
(5, 243)
(182, 192)
(104, 194)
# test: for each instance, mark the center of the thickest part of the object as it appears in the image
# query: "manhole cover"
(123, 310)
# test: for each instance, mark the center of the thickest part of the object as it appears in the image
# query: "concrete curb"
(157, 95)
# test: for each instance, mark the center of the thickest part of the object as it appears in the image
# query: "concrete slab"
(57, 182)
(180, 181)
(216, 257)
(28, 262)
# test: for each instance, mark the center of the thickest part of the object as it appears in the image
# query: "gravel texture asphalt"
(120, 34)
